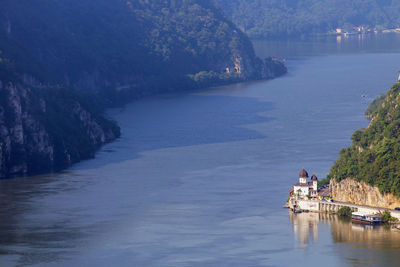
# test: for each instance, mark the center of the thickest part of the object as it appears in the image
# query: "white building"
(304, 188)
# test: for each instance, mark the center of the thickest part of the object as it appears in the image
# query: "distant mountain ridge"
(53, 52)
(272, 18)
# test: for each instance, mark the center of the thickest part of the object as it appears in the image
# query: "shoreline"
(121, 104)
(323, 206)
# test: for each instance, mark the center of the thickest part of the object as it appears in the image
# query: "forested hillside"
(277, 18)
(141, 46)
(62, 62)
(374, 156)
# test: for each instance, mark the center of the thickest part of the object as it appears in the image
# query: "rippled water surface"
(199, 179)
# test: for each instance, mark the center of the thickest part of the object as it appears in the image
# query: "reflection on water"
(358, 244)
(338, 39)
(367, 236)
(305, 226)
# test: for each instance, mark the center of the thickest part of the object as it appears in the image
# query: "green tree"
(387, 217)
(344, 212)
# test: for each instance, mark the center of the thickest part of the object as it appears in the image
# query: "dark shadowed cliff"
(44, 128)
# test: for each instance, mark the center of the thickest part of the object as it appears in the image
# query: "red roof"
(314, 177)
(303, 173)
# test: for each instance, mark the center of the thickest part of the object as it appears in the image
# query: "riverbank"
(334, 206)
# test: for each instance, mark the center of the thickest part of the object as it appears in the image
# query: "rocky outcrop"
(361, 193)
(32, 127)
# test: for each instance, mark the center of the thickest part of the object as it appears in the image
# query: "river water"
(199, 179)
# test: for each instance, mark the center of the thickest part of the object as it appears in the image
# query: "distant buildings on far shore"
(362, 30)
(355, 30)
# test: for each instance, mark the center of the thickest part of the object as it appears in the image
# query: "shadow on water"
(184, 120)
(17, 232)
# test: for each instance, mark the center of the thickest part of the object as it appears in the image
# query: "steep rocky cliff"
(361, 193)
(46, 129)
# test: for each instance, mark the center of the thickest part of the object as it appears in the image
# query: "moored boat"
(359, 217)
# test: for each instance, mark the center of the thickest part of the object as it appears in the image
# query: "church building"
(305, 188)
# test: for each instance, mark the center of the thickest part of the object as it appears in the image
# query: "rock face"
(32, 124)
(361, 193)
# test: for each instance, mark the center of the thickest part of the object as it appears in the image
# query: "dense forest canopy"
(374, 156)
(114, 43)
(277, 18)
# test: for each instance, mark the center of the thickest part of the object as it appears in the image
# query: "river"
(199, 179)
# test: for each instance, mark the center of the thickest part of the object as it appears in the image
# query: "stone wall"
(308, 205)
